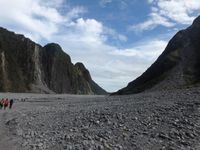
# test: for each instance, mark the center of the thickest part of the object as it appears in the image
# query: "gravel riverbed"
(149, 121)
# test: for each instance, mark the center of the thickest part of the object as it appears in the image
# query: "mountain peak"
(196, 22)
(83, 70)
(80, 66)
(53, 46)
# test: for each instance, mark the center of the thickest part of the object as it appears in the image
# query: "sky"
(117, 40)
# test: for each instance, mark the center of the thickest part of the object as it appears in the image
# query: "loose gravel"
(167, 120)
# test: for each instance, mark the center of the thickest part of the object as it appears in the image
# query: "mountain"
(177, 67)
(28, 67)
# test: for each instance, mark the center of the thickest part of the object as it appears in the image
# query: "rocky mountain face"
(177, 67)
(28, 67)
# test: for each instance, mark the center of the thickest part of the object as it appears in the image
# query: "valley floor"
(157, 120)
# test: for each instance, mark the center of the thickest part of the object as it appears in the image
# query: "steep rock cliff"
(28, 67)
(177, 67)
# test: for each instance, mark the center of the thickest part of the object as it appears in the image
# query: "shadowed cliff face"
(28, 67)
(177, 67)
(86, 74)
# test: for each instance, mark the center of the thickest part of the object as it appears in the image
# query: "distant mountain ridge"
(28, 67)
(177, 67)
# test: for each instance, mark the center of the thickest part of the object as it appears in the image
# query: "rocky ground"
(155, 120)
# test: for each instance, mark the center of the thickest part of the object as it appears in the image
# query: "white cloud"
(153, 21)
(53, 3)
(180, 11)
(150, 50)
(89, 30)
(114, 34)
(168, 13)
(35, 17)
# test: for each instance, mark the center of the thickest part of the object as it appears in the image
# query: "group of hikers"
(4, 103)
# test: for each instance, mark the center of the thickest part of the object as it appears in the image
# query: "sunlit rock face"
(177, 67)
(28, 67)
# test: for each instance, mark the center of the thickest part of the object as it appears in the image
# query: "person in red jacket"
(6, 103)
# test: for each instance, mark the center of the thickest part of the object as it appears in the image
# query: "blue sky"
(117, 40)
